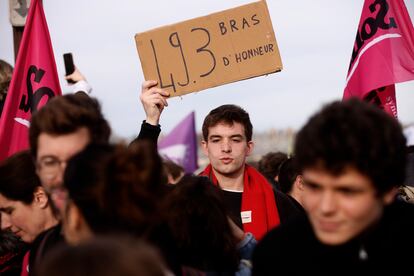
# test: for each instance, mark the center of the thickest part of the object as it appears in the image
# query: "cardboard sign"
(212, 50)
(18, 10)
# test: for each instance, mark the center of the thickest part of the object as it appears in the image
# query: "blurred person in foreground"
(62, 128)
(120, 194)
(105, 256)
(59, 130)
(207, 239)
(352, 157)
(116, 195)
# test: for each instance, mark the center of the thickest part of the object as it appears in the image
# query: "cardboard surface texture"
(212, 50)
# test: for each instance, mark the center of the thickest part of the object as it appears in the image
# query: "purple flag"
(180, 146)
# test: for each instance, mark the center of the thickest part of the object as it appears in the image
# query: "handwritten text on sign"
(208, 51)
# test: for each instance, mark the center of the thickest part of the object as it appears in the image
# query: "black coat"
(293, 249)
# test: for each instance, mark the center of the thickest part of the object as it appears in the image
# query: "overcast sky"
(315, 40)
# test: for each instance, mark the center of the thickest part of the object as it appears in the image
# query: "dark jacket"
(12, 251)
(43, 244)
(409, 177)
(148, 132)
(380, 251)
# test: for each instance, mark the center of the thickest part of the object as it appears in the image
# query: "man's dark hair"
(114, 186)
(228, 114)
(66, 114)
(288, 173)
(104, 256)
(270, 163)
(195, 210)
(354, 134)
(18, 178)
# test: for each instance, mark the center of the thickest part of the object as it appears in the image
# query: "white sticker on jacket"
(246, 216)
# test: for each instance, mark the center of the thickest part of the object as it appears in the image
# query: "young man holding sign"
(227, 141)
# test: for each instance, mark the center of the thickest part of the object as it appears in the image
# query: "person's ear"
(40, 197)
(250, 147)
(204, 147)
(299, 182)
(389, 196)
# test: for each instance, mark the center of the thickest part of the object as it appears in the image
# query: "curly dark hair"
(66, 114)
(354, 134)
(114, 186)
(228, 114)
(18, 178)
(104, 256)
(288, 172)
(269, 164)
(198, 219)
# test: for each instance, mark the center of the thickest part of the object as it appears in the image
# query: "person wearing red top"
(227, 141)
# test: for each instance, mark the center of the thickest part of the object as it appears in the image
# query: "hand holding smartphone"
(69, 65)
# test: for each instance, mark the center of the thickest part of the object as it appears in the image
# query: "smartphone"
(69, 66)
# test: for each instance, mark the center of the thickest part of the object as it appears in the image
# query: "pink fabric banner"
(383, 53)
(34, 82)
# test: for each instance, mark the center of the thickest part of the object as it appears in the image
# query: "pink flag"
(34, 82)
(383, 53)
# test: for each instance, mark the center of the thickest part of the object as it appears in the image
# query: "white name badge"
(246, 216)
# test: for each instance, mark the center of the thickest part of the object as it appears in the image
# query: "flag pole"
(17, 38)
(18, 10)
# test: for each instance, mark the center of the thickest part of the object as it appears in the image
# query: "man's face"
(24, 220)
(53, 152)
(341, 207)
(227, 148)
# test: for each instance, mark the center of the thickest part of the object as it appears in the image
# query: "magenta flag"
(34, 82)
(180, 145)
(383, 53)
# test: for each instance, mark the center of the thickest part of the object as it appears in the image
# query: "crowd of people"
(76, 204)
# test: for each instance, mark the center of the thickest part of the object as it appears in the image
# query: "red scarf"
(258, 197)
(25, 265)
